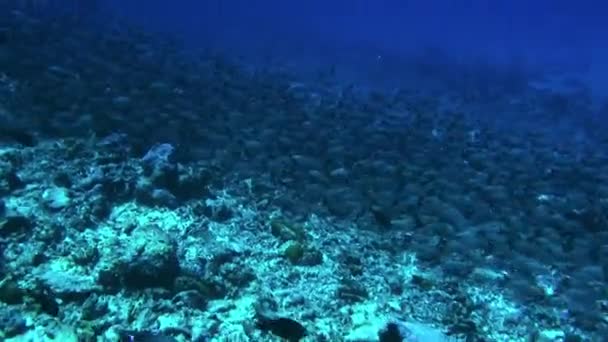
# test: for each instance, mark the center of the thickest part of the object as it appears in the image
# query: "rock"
(352, 291)
(15, 225)
(311, 257)
(63, 179)
(366, 324)
(293, 251)
(550, 335)
(152, 260)
(93, 307)
(10, 292)
(56, 198)
(12, 323)
(217, 211)
(149, 195)
(66, 280)
(208, 289)
(9, 180)
(191, 183)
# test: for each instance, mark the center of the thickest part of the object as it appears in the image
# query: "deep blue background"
(558, 34)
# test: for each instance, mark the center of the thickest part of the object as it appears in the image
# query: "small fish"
(286, 328)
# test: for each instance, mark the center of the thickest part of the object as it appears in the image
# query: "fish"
(391, 333)
(287, 328)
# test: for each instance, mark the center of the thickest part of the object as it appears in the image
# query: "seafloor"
(151, 194)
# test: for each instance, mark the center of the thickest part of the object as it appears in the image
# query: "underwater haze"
(555, 35)
(358, 171)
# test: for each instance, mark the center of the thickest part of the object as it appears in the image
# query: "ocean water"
(303, 171)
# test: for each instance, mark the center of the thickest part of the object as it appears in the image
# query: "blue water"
(354, 33)
(303, 171)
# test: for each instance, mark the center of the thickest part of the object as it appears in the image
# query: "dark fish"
(391, 333)
(286, 328)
